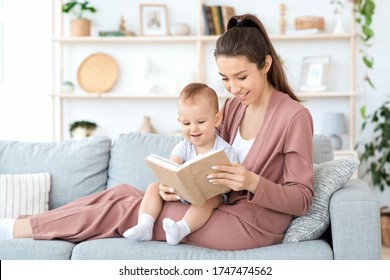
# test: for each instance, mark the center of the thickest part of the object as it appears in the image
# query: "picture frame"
(314, 73)
(153, 20)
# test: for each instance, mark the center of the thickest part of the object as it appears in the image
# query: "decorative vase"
(338, 27)
(80, 27)
(67, 87)
(146, 126)
(180, 29)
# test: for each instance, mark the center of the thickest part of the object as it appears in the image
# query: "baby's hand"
(167, 193)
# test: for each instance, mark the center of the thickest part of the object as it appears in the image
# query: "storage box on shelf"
(198, 51)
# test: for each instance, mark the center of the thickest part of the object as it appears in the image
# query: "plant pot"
(80, 27)
(385, 227)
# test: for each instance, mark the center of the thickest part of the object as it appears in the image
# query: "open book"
(190, 179)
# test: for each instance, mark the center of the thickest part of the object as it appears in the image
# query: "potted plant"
(82, 129)
(375, 152)
(80, 26)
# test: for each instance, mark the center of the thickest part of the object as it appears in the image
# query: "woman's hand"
(167, 193)
(235, 177)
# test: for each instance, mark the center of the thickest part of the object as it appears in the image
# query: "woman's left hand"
(236, 177)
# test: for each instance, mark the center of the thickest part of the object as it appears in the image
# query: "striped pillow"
(24, 194)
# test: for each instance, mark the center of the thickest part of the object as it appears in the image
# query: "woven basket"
(309, 22)
(98, 73)
(385, 227)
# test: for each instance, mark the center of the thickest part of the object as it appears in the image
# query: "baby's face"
(198, 120)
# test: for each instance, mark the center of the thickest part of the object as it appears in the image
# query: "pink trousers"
(111, 212)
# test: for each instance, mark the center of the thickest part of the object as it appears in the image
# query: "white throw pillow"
(24, 194)
(328, 178)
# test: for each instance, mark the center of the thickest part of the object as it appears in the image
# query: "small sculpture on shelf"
(146, 126)
(82, 129)
(282, 10)
(120, 32)
(122, 24)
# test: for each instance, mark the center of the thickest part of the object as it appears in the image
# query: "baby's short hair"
(193, 91)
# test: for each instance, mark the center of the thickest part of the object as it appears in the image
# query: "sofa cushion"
(123, 249)
(328, 178)
(29, 249)
(24, 194)
(77, 167)
(128, 153)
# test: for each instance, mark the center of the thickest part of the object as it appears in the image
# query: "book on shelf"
(115, 33)
(216, 21)
(227, 13)
(190, 179)
(208, 20)
(216, 18)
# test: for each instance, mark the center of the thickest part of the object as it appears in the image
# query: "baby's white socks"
(175, 232)
(143, 231)
(7, 229)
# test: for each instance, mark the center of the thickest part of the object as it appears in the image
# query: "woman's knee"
(125, 189)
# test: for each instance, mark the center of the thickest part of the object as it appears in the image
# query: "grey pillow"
(77, 167)
(328, 178)
(128, 153)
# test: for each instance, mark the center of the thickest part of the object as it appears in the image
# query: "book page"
(163, 162)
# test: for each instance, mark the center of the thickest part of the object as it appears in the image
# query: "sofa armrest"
(355, 222)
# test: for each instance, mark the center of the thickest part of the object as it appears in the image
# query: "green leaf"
(371, 84)
(67, 7)
(369, 62)
(363, 112)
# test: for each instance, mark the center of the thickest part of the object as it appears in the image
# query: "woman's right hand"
(167, 193)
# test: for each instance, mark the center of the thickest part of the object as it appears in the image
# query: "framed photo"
(314, 74)
(154, 20)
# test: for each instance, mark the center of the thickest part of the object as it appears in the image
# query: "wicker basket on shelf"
(310, 22)
(385, 226)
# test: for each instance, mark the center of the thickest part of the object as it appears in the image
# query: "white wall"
(25, 108)
(25, 105)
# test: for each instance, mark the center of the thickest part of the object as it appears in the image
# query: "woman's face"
(242, 77)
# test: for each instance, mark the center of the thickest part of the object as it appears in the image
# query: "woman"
(269, 129)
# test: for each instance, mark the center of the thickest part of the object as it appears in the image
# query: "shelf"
(191, 39)
(326, 94)
(172, 96)
(127, 39)
(119, 96)
(345, 153)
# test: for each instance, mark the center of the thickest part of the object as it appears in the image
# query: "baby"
(198, 117)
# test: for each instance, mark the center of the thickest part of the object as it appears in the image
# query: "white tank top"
(241, 146)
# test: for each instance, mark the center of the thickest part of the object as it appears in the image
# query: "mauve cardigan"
(282, 157)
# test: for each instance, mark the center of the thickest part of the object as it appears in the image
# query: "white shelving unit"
(199, 45)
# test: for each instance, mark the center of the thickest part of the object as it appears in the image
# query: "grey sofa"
(79, 168)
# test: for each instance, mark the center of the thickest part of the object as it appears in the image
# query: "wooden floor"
(385, 253)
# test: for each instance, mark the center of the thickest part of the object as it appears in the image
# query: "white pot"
(180, 29)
